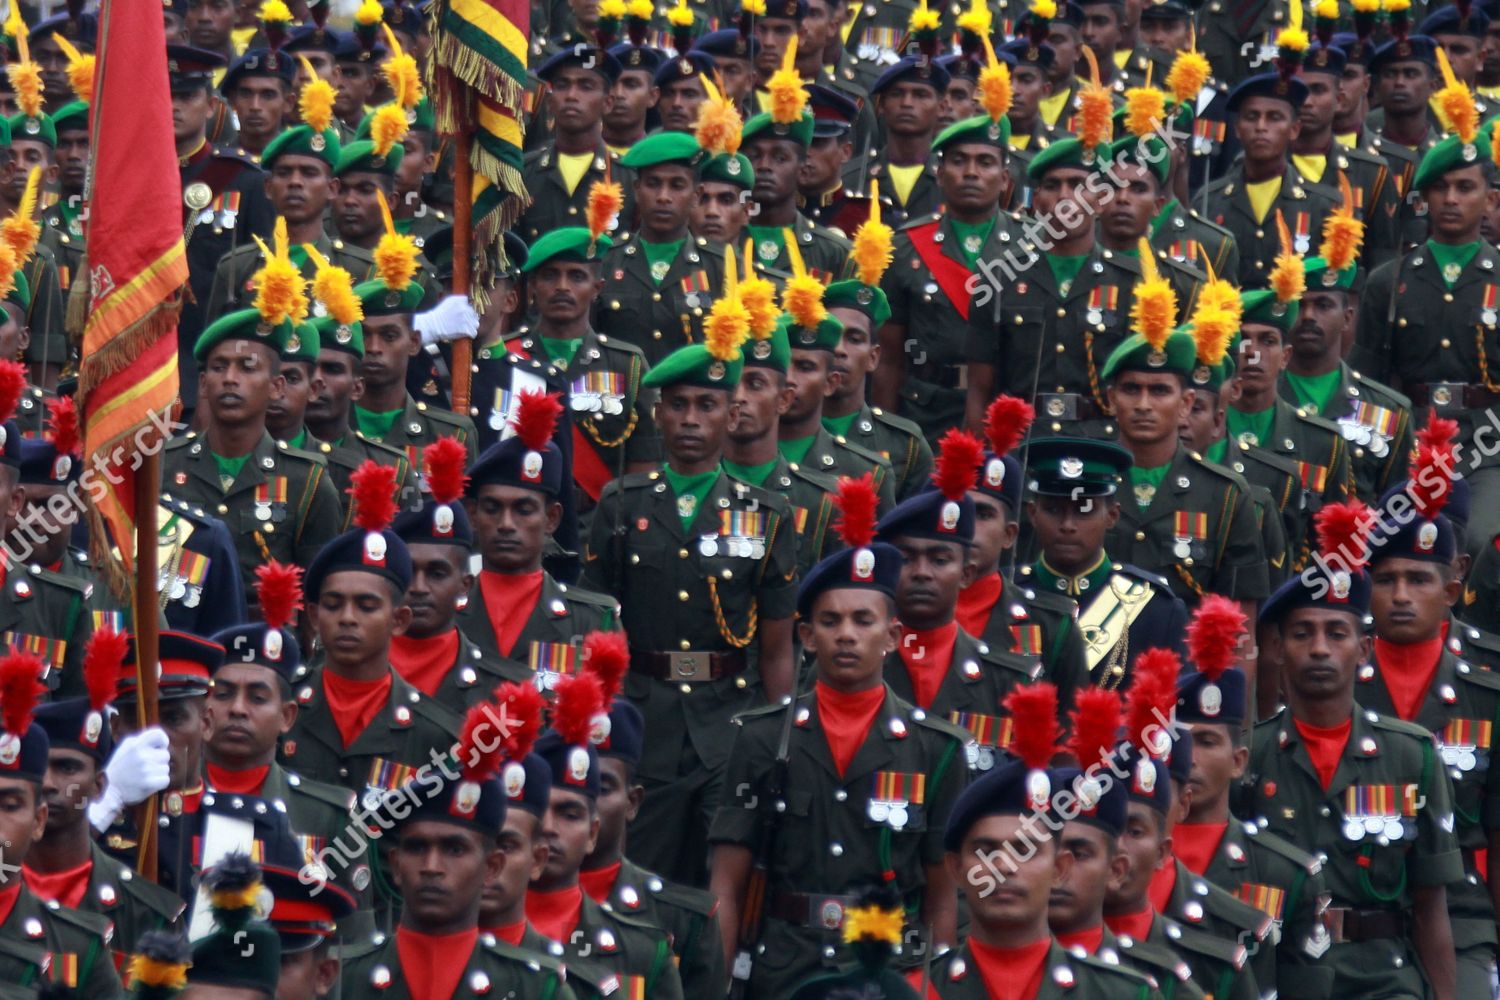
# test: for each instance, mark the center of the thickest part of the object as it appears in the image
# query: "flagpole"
(463, 223)
(147, 640)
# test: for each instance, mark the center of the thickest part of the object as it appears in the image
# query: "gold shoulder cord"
(738, 642)
(1484, 363)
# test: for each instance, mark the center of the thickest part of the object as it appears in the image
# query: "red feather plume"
(20, 684)
(1430, 484)
(957, 469)
(1096, 725)
(445, 459)
(1006, 423)
(523, 705)
(373, 487)
(1440, 432)
(102, 660)
(1213, 636)
(580, 697)
(278, 588)
(606, 655)
(1153, 694)
(12, 384)
(62, 414)
(1341, 533)
(536, 418)
(480, 751)
(1033, 712)
(857, 503)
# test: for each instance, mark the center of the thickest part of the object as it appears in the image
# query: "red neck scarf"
(1132, 925)
(66, 887)
(423, 663)
(1011, 973)
(554, 913)
(977, 600)
(927, 654)
(1089, 939)
(9, 892)
(353, 704)
(1408, 669)
(511, 933)
(1196, 843)
(845, 718)
(433, 964)
(1163, 881)
(1325, 746)
(246, 782)
(508, 601)
(600, 882)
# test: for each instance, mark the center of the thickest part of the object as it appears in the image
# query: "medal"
(879, 811)
(1183, 549)
(687, 505)
(1094, 316)
(262, 512)
(1374, 825)
(1302, 242)
(708, 547)
(659, 269)
(1354, 829)
(179, 589)
(194, 595)
(1144, 494)
(1488, 316)
(898, 815)
(986, 758)
(1393, 828)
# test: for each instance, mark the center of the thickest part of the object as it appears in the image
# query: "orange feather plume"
(1095, 108)
(1343, 234)
(1456, 102)
(1145, 110)
(1154, 310)
(25, 79)
(994, 91)
(80, 69)
(719, 125)
(758, 296)
(1288, 276)
(787, 99)
(395, 253)
(802, 296)
(605, 200)
(20, 229)
(874, 243)
(1189, 72)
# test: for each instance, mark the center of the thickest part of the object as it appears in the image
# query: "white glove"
(139, 767)
(452, 318)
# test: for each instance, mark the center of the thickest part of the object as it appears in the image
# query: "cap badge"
(733, 166)
(685, 67)
(1145, 776)
(93, 726)
(1089, 791)
(1341, 585)
(578, 765)
(994, 473)
(1038, 790)
(62, 467)
(1427, 536)
(515, 780)
(317, 142)
(466, 799)
(531, 467)
(1156, 358)
(272, 645)
(761, 350)
(717, 371)
(343, 334)
(1211, 700)
(293, 344)
(864, 564)
(1330, 278)
(442, 518)
(994, 131)
(949, 516)
(375, 549)
(1070, 468)
(10, 749)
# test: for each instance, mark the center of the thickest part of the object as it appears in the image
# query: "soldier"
(579, 80)
(727, 640)
(366, 174)
(62, 222)
(907, 96)
(823, 61)
(689, 916)
(629, 117)
(662, 278)
(305, 915)
(258, 87)
(524, 622)
(208, 24)
(722, 209)
(81, 30)
(1138, 187)
(1388, 835)
(359, 725)
(414, 216)
(680, 89)
(1353, 104)
(868, 781)
(357, 62)
(735, 53)
(1029, 132)
(33, 144)
(1122, 609)
(822, 195)
(1178, 229)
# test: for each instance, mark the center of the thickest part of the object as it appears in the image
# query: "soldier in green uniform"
(907, 95)
(661, 277)
(33, 140)
(342, 735)
(1139, 174)
(358, 212)
(414, 217)
(856, 783)
(704, 568)
(62, 223)
(1367, 791)
(722, 210)
(258, 88)
(1179, 230)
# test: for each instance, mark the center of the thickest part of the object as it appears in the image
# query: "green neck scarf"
(839, 426)
(796, 451)
(972, 237)
(1256, 425)
(1144, 482)
(1315, 391)
(375, 426)
(1218, 451)
(229, 469)
(559, 351)
(1451, 259)
(690, 492)
(1163, 217)
(299, 439)
(755, 475)
(660, 257)
(1065, 270)
(769, 243)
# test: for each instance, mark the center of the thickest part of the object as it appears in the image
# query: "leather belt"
(1067, 406)
(942, 376)
(806, 909)
(692, 666)
(1352, 924)
(1467, 395)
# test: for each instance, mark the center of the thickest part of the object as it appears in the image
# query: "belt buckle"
(828, 913)
(1060, 405)
(689, 667)
(1333, 921)
(1447, 393)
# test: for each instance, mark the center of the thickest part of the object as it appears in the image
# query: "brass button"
(1140, 536)
(1447, 296)
(1445, 343)
(1062, 349)
(682, 595)
(682, 553)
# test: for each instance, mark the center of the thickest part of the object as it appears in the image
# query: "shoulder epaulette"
(236, 154)
(1131, 570)
(1398, 400)
(862, 451)
(1047, 601)
(1317, 420)
(1228, 952)
(1268, 458)
(1136, 978)
(1392, 724)
(306, 456)
(1233, 910)
(901, 424)
(594, 598)
(1220, 471)
(622, 346)
(74, 583)
(157, 898)
(334, 795)
(684, 897)
(927, 720)
(93, 924)
(361, 948)
(925, 220)
(1285, 848)
(534, 960)
(821, 480)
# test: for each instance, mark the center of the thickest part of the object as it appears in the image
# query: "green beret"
(242, 324)
(4, 131)
(1067, 153)
(379, 300)
(1321, 276)
(1135, 353)
(868, 299)
(800, 131)
(1451, 153)
(663, 147)
(727, 169)
(359, 157)
(336, 337)
(1149, 152)
(300, 140)
(569, 243)
(74, 115)
(1261, 306)
(826, 336)
(302, 344)
(774, 351)
(421, 117)
(981, 129)
(693, 365)
(20, 292)
(38, 129)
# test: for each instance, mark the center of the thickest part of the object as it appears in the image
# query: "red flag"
(137, 267)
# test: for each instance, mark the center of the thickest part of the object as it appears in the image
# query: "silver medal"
(878, 810)
(1354, 829)
(708, 547)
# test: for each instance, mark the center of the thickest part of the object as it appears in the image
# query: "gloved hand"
(139, 767)
(452, 318)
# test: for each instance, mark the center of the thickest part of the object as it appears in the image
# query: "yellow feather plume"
(871, 923)
(1495, 142)
(80, 69)
(612, 10)
(1187, 76)
(1394, 6)
(395, 254)
(1213, 329)
(755, 8)
(369, 13)
(401, 72)
(275, 12)
(1218, 294)
(280, 292)
(1292, 36)
(605, 201)
(15, 25)
(1456, 102)
(1366, 6)
(1145, 110)
(994, 91)
(758, 296)
(147, 971)
(728, 320)
(787, 98)
(719, 124)
(641, 9)
(20, 230)
(1343, 234)
(680, 15)
(1044, 8)
(315, 102)
(874, 242)
(26, 79)
(334, 288)
(1328, 10)
(1154, 311)
(1095, 109)
(1288, 277)
(923, 18)
(977, 20)
(388, 128)
(802, 297)
(8, 266)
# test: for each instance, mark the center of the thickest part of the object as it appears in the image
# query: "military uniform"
(280, 506)
(47, 614)
(657, 316)
(836, 456)
(550, 640)
(841, 210)
(1219, 968)
(955, 976)
(233, 288)
(811, 495)
(553, 206)
(924, 198)
(419, 425)
(130, 904)
(616, 953)
(1173, 978)
(1371, 882)
(1376, 200)
(62, 233)
(349, 454)
(1376, 423)
(1276, 492)
(46, 313)
(44, 944)
(1032, 622)
(688, 916)
(1304, 207)
(824, 251)
(200, 570)
(1203, 905)
(899, 441)
(493, 969)
(837, 831)
(1187, 237)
